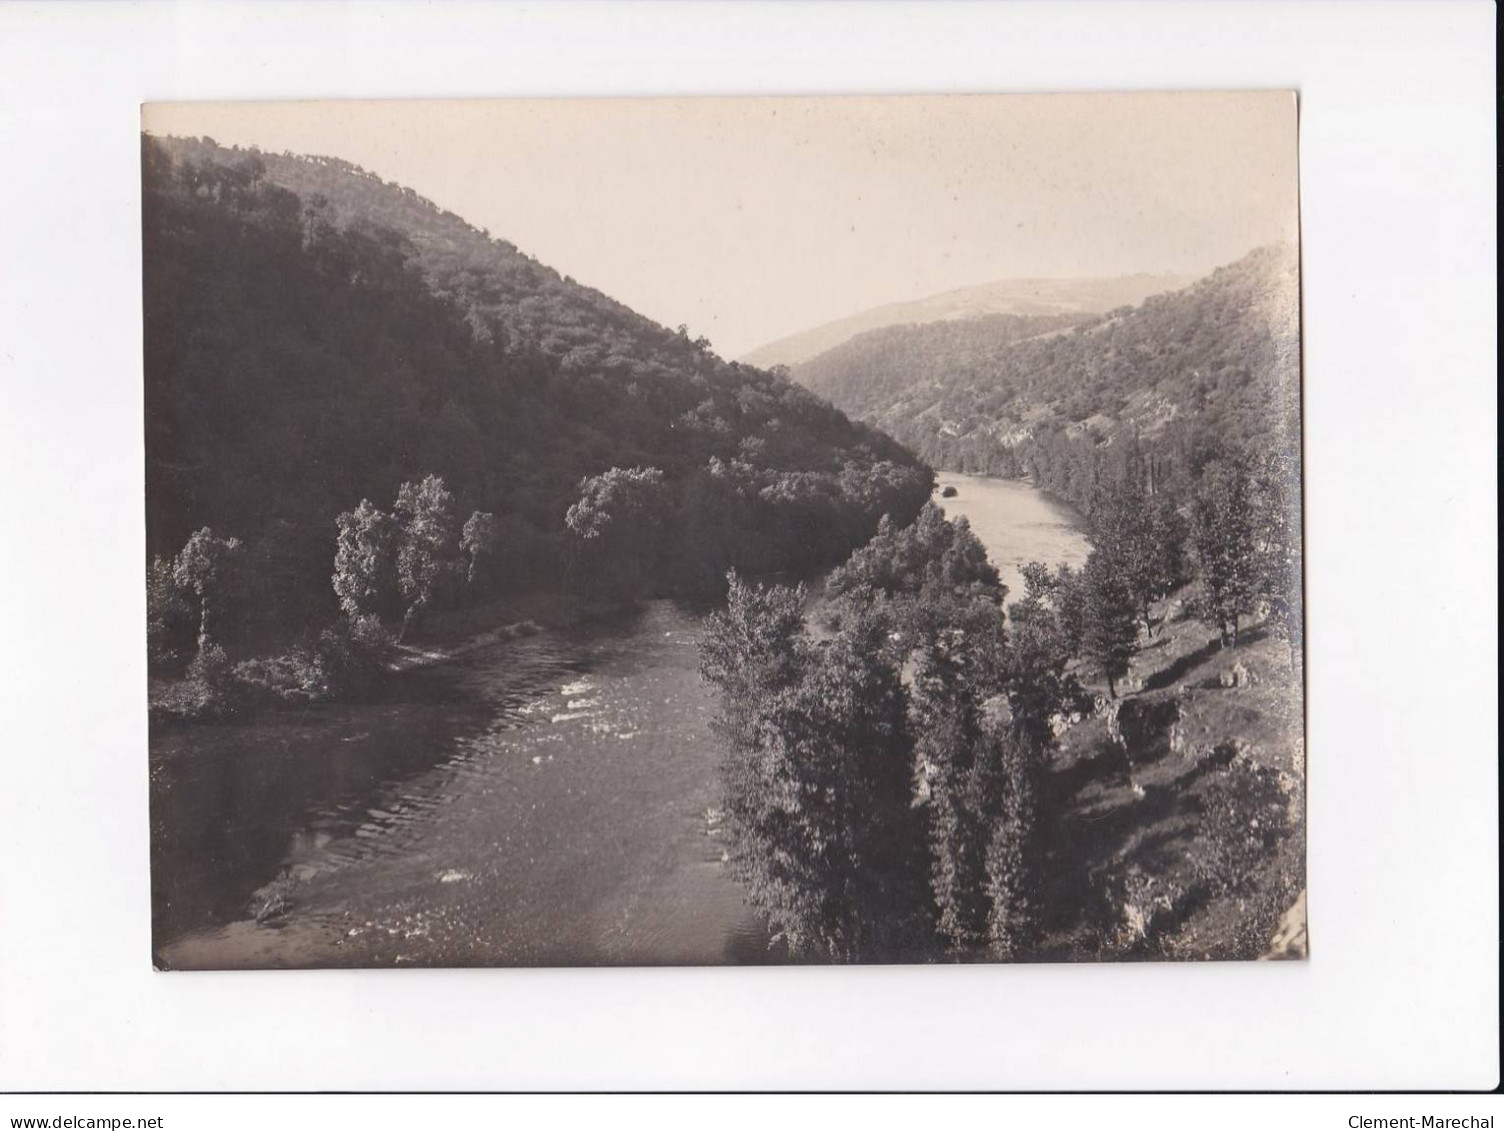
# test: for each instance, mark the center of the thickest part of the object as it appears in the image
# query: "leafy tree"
(1145, 535)
(817, 777)
(350, 656)
(481, 543)
(169, 620)
(1037, 685)
(210, 567)
(981, 704)
(1164, 560)
(1063, 595)
(959, 753)
(931, 552)
(365, 560)
(1039, 583)
(617, 523)
(715, 532)
(752, 651)
(428, 555)
(932, 574)
(1013, 850)
(1222, 521)
(1109, 635)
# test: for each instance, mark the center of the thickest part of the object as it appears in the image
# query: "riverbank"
(451, 633)
(250, 681)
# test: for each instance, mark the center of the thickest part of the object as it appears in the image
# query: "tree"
(1223, 536)
(932, 574)
(958, 752)
(616, 525)
(428, 557)
(931, 552)
(1164, 558)
(1109, 635)
(817, 777)
(1145, 535)
(714, 526)
(980, 705)
(1061, 594)
(365, 560)
(480, 541)
(1037, 685)
(1013, 851)
(168, 617)
(210, 567)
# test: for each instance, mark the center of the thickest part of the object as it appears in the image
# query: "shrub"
(349, 657)
(291, 678)
(207, 693)
(211, 669)
(1243, 824)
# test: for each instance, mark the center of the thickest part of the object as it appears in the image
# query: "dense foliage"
(884, 777)
(817, 777)
(889, 371)
(316, 337)
(880, 780)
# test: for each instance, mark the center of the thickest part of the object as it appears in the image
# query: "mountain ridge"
(1214, 365)
(1018, 296)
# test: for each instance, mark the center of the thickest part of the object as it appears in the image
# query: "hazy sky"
(750, 219)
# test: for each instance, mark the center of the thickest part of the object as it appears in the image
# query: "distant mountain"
(1005, 296)
(315, 336)
(1198, 372)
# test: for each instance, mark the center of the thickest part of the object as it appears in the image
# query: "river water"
(1017, 523)
(549, 800)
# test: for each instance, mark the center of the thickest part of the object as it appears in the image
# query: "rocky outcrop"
(1237, 676)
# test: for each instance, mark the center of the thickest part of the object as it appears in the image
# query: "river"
(1017, 523)
(549, 800)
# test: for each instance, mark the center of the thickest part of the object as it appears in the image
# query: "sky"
(753, 218)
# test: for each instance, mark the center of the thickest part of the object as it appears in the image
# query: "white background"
(1398, 187)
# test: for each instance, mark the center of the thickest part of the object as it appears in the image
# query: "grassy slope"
(1185, 839)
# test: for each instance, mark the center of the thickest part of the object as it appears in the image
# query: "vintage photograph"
(724, 530)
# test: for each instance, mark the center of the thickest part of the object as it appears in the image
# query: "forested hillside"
(876, 372)
(1211, 368)
(1022, 297)
(315, 337)
(502, 291)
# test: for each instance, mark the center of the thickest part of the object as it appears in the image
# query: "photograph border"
(1398, 284)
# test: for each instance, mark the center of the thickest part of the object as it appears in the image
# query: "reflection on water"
(547, 800)
(1017, 523)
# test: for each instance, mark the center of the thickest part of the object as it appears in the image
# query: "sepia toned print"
(707, 531)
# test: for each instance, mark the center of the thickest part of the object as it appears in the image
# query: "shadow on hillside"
(1173, 673)
(1111, 828)
(1102, 835)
